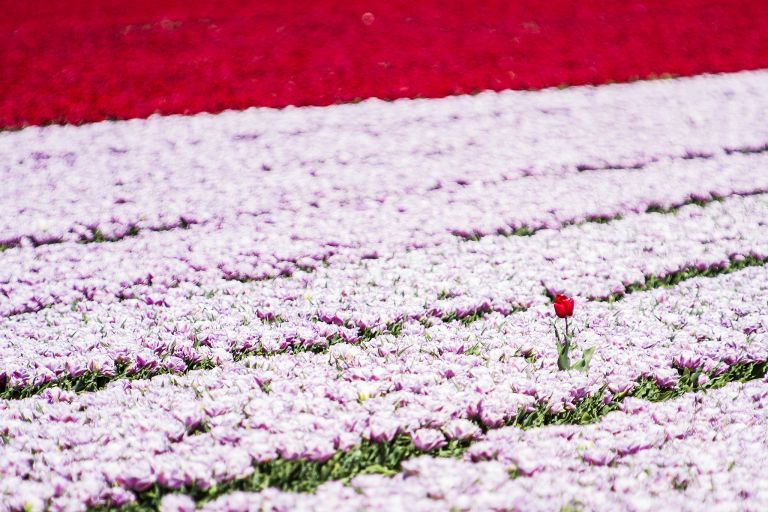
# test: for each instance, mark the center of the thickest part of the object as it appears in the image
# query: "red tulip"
(563, 306)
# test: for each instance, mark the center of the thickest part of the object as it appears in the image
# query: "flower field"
(390, 270)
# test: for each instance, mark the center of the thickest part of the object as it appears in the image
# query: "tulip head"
(563, 306)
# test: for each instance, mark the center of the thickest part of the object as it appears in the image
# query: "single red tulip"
(563, 306)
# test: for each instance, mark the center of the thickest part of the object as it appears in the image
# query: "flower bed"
(220, 425)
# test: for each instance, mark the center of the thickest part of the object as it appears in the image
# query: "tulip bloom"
(563, 306)
(564, 309)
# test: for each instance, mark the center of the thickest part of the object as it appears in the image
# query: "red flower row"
(81, 61)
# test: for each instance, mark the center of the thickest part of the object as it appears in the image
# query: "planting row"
(400, 161)
(592, 260)
(703, 450)
(173, 329)
(186, 326)
(433, 384)
(152, 265)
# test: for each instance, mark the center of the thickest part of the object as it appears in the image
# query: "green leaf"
(583, 364)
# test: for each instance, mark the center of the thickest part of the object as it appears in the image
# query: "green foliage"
(393, 328)
(563, 352)
(582, 365)
(563, 359)
(524, 231)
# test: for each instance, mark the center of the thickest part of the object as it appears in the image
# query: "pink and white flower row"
(257, 248)
(65, 451)
(63, 182)
(172, 328)
(703, 450)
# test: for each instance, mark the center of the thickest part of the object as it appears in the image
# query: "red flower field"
(83, 61)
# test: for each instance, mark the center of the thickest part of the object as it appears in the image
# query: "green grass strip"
(93, 381)
(674, 278)
(303, 476)
(96, 236)
(605, 219)
(387, 458)
(396, 327)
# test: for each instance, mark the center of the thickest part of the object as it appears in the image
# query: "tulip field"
(375, 256)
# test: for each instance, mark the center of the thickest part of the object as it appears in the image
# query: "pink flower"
(427, 439)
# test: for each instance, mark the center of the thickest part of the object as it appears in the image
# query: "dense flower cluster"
(82, 61)
(216, 318)
(213, 425)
